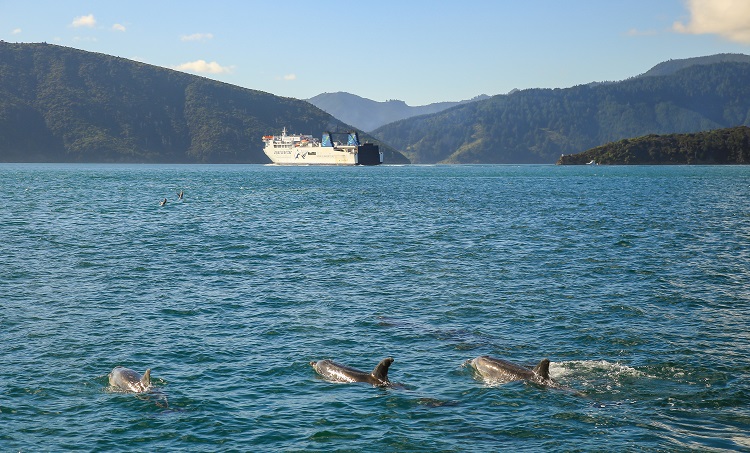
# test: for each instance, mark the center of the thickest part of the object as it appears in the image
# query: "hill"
(59, 104)
(538, 125)
(672, 66)
(721, 146)
(368, 115)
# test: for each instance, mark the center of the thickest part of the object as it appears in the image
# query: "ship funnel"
(327, 141)
(353, 139)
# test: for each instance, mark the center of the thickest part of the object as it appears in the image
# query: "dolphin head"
(125, 379)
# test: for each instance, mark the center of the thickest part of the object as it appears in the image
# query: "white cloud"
(16, 31)
(729, 19)
(202, 66)
(290, 77)
(84, 21)
(197, 37)
(118, 27)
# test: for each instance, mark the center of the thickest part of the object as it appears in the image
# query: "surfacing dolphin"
(127, 380)
(342, 373)
(499, 371)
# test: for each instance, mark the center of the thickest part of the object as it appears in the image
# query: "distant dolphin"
(127, 380)
(501, 371)
(341, 373)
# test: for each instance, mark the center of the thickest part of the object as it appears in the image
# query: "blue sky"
(418, 51)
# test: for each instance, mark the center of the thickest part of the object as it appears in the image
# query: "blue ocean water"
(633, 281)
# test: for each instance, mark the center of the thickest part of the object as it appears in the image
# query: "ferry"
(307, 150)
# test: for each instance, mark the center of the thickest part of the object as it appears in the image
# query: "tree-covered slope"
(720, 146)
(60, 104)
(538, 125)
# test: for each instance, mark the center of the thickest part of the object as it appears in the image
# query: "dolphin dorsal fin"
(146, 379)
(542, 370)
(381, 371)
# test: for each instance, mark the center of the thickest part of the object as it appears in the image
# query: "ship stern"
(369, 154)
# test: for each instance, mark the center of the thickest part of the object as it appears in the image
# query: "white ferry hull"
(306, 150)
(319, 156)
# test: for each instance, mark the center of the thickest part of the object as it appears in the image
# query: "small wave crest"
(595, 377)
(573, 368)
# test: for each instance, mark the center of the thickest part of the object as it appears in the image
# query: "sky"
(418, 51)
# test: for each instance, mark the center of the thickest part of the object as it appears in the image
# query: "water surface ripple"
(634, 281)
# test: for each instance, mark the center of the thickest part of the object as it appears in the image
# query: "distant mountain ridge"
(538, 125)
(59, 104)
(368, 115)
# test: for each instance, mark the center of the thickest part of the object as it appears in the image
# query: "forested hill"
(59, 104)
(720, 146)
(538, 125)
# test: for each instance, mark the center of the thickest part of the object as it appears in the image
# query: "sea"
(633, 280)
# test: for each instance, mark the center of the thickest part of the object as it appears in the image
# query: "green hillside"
(60, 104)
(538, 125)
(721, 146)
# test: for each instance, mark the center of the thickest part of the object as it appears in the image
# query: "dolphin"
(342, 373)
(501, 371)
(127, 380)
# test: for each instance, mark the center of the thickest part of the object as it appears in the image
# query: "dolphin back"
(502, 371)
(380, 372)
(341, 373)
